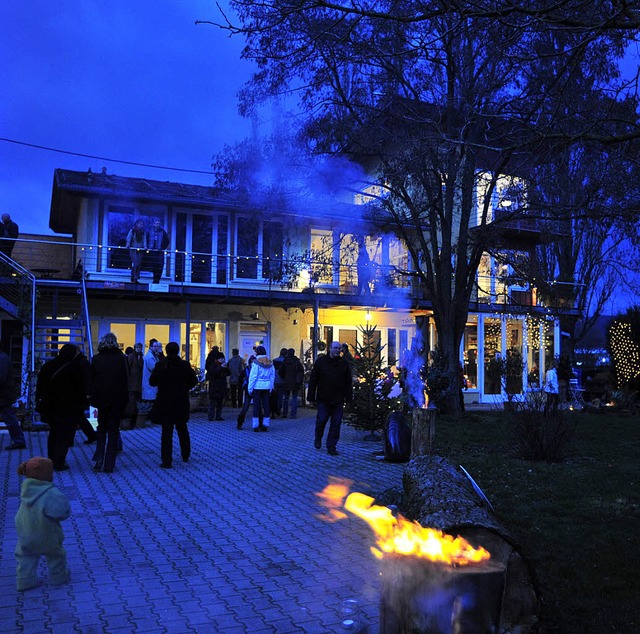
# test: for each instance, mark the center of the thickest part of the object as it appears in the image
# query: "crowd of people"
(116, 384)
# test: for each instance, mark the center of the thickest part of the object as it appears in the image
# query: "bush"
(539, 437)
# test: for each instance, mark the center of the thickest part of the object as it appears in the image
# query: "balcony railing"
(111, 265)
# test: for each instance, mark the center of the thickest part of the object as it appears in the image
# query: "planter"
(194, 403)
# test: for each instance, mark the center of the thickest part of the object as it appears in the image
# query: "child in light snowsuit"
(42, 507)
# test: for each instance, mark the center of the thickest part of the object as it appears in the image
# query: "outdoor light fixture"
(368, 315)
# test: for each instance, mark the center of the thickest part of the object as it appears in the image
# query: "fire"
(397, 535)
(332, 498)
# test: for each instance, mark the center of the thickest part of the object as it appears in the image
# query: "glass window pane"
(222, 261)
(272, 246)
(247, 248)
(201, 244)
(492, 355)
(119, 221)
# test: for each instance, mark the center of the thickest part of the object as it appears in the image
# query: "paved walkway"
(229, 542)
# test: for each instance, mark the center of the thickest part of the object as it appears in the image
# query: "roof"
(70, 187)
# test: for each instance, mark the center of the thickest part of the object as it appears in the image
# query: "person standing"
(217, 373)
(292, 375)
(109, 392)
(42, 507)
(137, 244)
(7, 397)
(330, 385)
(277, 395)
(10, 233)
(61, 394)
(173, 377)
(236, 366)
(154, 354)
(135, 360)
(158, 241)
(247, 397)
(551, 388)
(261, 380)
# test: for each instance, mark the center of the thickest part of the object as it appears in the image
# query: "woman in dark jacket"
(109, 394)
(61, 395)
(174, 378)
(217, 373)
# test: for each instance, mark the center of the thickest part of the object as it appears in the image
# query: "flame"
(332, 498)
(426, 399)
(397, 535)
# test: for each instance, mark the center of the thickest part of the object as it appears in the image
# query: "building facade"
(234, 275)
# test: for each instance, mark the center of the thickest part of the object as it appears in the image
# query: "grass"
(577, 522)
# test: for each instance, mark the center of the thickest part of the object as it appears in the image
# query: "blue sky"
(137, 81)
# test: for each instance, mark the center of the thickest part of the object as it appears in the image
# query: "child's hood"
(32, 490)
(264, 361)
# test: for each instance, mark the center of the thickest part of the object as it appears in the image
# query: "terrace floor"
(229, 542)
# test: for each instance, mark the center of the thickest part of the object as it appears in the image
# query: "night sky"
(136, 81)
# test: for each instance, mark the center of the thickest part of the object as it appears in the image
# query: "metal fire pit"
(423, 597)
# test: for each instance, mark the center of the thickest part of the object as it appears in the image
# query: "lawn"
(578, 521)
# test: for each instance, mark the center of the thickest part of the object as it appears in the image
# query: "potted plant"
(198, 393)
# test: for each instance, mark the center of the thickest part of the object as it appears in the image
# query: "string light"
(625, 352)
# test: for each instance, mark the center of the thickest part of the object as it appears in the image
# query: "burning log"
(423, 430)
(418, 595)
(437, 494)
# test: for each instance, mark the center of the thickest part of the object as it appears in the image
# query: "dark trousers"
(245, 408)
(294, 403)
(328, 411)
(13, 424)
(87, 429)
(108, 437)
(261, 403)
(166, 442)
(236, 394)
(156, 258)
(552, 403)
(61, 437)
(215, 407)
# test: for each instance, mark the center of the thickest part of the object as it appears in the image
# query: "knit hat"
(37, 468)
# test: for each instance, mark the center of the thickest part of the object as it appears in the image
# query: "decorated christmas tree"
(375, 392)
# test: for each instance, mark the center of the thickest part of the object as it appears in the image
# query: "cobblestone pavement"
(229, 542)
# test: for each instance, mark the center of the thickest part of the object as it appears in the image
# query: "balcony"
(254, 280)
(207, 276)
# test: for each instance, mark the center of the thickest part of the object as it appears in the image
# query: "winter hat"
(37, 468)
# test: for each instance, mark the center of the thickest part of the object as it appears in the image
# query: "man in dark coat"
(61, 394)
(158, 241)
(109, 394)
(173, 377)
(330, 384)
(10, 232)
(292, 374)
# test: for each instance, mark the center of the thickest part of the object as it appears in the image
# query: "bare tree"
(449, 107)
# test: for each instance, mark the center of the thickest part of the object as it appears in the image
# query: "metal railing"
(65, 260)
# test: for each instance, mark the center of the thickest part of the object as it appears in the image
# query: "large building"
(235, 274)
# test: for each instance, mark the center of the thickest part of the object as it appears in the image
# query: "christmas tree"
(375, 394)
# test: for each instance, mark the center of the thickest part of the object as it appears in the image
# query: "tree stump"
(438, 495)
(423, 430)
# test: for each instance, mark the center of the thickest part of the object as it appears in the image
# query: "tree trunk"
(423, 430)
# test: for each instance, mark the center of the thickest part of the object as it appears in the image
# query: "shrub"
(541, 437)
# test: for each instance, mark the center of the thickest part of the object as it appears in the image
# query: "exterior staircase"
(61, 317)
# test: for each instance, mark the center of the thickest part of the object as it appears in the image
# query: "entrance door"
(252, 334)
